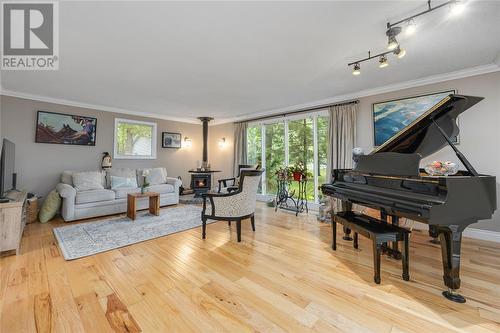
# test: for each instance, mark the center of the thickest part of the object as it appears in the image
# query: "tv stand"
(14, 219)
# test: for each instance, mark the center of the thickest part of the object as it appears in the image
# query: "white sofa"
(78, 205)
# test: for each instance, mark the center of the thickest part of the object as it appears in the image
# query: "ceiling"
(233, 60)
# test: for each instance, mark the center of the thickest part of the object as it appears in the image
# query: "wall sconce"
(222, 143)
(187, 142)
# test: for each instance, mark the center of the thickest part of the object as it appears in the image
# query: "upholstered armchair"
(231, 184)
(234, 206)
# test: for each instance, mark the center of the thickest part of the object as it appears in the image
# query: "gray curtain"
(341, 136)
(240, 146)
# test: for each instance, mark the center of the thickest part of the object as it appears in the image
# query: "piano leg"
(346, 206)
(451, 241)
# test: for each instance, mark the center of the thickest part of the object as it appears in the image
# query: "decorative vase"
(143, 190)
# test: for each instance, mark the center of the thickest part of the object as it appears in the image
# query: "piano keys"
(390, 179)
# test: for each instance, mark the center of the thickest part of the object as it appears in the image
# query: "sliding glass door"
(288, 141)
(274, 154)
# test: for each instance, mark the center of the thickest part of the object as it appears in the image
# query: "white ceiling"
(231, 60)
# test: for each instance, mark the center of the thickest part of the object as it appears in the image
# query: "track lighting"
(391, 33)
(457, 8)
(393, 29)
(392, 43)
(357, 69)
(411, 27)
(383, 61)
(399, 52)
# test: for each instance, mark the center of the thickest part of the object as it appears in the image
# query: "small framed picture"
(171, 140)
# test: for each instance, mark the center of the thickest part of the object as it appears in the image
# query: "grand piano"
(389, 179)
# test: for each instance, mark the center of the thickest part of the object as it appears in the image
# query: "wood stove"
(201, 179)
(201, 182)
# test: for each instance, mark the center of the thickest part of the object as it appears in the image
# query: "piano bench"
(378, 231)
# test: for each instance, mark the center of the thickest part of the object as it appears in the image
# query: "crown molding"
(473, 71)
(12, 93)
(463, 73)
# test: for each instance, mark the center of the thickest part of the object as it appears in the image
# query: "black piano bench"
(378, 231)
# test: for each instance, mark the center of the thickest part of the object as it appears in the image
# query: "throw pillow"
(50, 207)
(88, 180)
(121, 182)
(119, 172)
(156, 177)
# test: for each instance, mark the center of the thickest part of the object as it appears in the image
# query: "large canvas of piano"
(390, 180)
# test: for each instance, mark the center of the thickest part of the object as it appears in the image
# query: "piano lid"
(422, 136)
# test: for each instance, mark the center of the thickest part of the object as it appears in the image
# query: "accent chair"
(233, 206)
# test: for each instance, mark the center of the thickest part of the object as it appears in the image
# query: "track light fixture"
(392, 42)
(357, 69)
(399, 52)
(411, 27)
(382, 61)
(393, 29)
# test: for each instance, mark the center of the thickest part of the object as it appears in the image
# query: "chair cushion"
(87, 180)
(50, 207)
(162, 188)
(94, 196)
(119, 172)
(122, 192)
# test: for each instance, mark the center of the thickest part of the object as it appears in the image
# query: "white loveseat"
(78, 204)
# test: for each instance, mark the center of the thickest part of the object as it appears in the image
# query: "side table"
(154, 203)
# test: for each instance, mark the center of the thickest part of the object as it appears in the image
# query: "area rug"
(85, 239)
(189, 199)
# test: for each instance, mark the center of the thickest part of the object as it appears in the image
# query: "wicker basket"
(32, 210)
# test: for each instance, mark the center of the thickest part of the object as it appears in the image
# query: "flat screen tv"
(7, 167)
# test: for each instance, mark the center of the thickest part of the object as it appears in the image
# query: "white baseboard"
(487, 235)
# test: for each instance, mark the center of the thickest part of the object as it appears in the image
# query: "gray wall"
(479, 127)
(39, 165)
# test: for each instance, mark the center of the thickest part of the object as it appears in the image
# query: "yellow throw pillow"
(50, 207)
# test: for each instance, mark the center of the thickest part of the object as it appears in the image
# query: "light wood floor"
(282, 278)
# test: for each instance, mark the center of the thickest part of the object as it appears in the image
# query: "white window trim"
(135, 157)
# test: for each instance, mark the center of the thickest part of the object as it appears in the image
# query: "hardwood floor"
(282, 278)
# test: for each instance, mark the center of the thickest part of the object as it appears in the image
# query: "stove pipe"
(205, 121)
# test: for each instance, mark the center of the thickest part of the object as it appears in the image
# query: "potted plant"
(299, 171)
(283, 173)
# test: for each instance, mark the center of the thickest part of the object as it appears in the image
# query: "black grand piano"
(389, 179)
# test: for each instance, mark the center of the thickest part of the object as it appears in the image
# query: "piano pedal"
(452, 295)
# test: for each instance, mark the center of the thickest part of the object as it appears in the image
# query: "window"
(277, 143)
(134, 139)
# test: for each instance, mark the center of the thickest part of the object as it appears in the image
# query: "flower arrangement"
(297, 172)
(438, 168)
(145, 184)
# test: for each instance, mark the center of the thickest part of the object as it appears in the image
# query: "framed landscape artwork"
(66, 129)
(171, 140)
(390, 117)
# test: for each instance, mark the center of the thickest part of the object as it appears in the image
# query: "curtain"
(341, 137)
(240, 146)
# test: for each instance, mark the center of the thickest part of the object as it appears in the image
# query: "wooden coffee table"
(154, 203)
